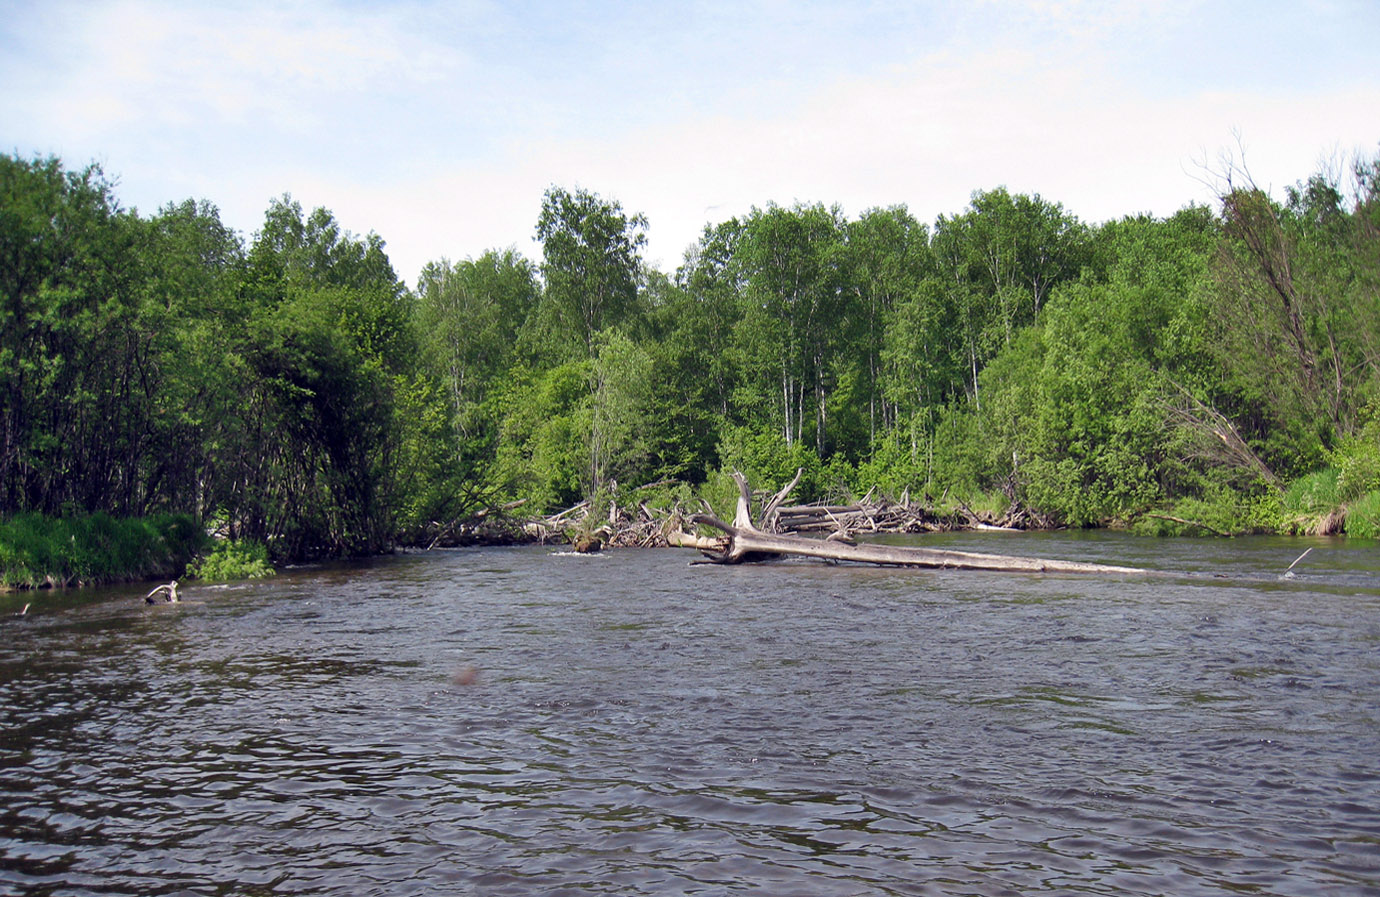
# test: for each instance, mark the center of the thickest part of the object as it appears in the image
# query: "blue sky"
(439, 125)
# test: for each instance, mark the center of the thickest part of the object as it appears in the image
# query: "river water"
(520, 721)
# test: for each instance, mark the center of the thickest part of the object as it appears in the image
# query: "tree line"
(1218, 368)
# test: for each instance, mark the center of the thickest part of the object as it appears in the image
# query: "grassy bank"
(38, 551)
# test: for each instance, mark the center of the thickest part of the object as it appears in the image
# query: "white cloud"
(926, 136)
(440, 126)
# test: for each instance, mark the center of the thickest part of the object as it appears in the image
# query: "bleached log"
(812, 512)
(739, 544)
(743, 541)
(769, 511)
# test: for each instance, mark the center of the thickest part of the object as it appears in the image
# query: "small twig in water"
(1297, 559)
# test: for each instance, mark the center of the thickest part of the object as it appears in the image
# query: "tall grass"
(40, 551)
(1314, 493)
(1363, 516)
(1312, 504)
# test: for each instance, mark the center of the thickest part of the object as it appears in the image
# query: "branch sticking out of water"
(1290, 571)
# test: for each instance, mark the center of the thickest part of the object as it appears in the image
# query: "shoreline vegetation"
(1214, 372)
(38, 552)
(591, 525)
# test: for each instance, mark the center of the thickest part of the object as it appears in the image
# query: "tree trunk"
(743, 541)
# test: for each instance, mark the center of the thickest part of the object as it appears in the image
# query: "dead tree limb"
(769, 510)
(1218, 439)
(739, 544)
(742, 541)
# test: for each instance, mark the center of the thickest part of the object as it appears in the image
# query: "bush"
(663, 496)
(769, 463)
(1363, 516)
(1358, 469)
(1223, 511)
(722, 494)
(893, 468)
(232, 559)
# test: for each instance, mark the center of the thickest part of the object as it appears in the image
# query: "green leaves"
(542, 450)
(231, 559)
(298, 394)
(620, 440)
(591, 266)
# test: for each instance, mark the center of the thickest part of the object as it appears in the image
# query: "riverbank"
(40, 552)
(37, 551)
(592, 525)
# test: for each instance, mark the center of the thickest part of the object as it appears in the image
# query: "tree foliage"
(290, 390)
(591, 266)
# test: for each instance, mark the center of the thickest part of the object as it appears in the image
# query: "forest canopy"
(1219, 367)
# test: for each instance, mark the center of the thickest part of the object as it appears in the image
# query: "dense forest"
(1217, 370)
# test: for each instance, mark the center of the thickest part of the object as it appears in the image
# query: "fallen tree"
(743, 540)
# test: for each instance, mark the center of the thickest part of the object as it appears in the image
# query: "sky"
(440, 125)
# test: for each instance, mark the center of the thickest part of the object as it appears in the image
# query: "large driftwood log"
(742, 540)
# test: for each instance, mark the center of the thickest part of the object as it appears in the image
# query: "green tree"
(75, 391)
(314, 249)
(468, 317)
(692, 336)
(794, 263)
(620, 436)
(1296, 308)
(326, 358)
(1001, 260)
(889, 258)
(194, 312)
(542, 449)
(591, 266)
(1079, 421)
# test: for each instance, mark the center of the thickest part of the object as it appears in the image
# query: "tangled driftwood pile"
(488, 526)
(621, 527)
(642, 526)
(816, 531)
(744, 540)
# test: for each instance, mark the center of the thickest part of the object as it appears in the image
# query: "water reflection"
(513, 722)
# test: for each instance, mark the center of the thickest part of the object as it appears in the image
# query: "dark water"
(519, 722)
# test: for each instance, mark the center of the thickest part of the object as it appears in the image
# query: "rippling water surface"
(517, 721)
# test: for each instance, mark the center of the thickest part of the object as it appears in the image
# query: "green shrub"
(182, 536)
(661, 496)
(991, 502)
(232, 559)
(1358, 470)
(722, 494)
(1222, 512)
(769, 463)
(894, 467)
(1363, 516)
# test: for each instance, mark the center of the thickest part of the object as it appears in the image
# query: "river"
(522, 721)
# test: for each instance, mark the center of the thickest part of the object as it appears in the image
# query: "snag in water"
(744, 541)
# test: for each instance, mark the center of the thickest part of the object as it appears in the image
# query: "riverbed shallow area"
(525, 721)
